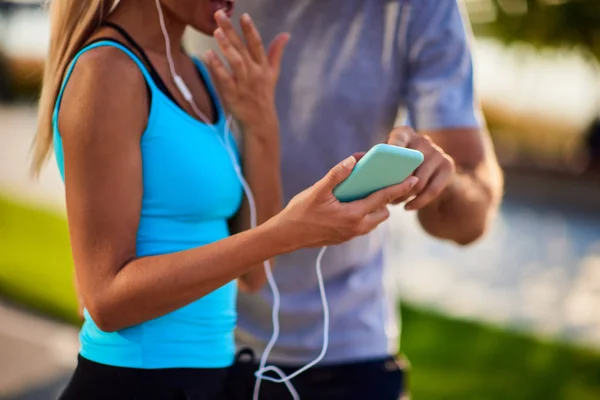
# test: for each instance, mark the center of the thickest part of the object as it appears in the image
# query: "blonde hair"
(72, 22)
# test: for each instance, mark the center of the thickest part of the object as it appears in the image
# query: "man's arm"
(462, 211)
(460, 182)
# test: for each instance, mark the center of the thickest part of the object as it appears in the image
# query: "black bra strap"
(108, 39)
(155, 76)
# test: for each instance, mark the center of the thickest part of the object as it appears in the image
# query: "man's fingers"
(425, 171)
(433, 174)
(401, 136)
(433, 189)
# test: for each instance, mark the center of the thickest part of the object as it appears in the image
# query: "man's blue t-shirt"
(348, 69)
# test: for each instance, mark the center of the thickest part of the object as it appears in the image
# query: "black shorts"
(93, 381)
(379, 379)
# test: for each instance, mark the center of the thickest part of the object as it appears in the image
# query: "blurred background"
(515, 316)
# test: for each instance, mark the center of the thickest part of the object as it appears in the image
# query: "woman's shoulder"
(104, 85)
(107, 60)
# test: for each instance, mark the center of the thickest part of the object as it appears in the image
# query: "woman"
(141, 140)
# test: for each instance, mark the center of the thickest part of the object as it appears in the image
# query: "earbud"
(183, 89)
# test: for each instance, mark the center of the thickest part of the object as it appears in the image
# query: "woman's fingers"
(386, 196)
(243, 57)
(227, 27)
(234, 58)
(223, 78)
(335, 176)
(359, 155)
(276, 50)
(252, 97)
(372, 220)
(253, 40)
(402, 199)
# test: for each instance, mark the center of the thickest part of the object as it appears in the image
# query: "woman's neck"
(140, 19)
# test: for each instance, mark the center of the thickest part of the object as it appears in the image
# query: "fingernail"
(408, 207)
(221, 15)
(219, 34)
(246, 18)
(349, 162)
(412, 181)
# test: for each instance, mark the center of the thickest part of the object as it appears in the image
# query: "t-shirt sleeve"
(439, 91)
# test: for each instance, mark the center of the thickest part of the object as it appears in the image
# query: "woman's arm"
(261, 159)
(261, 166)
(102, 117)
(101, 131)
(80, 305)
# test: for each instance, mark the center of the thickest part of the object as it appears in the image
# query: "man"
(349, 66)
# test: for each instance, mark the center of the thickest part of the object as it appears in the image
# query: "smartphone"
(382, 166)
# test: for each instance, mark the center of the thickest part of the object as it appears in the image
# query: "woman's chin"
(208, 31)
(207, 26)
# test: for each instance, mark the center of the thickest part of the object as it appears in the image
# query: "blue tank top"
(190, 191)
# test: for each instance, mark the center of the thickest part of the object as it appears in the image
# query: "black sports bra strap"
(157, 79)
(109, 39)
(154, 74)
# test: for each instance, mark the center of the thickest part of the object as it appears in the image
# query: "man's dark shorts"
(380, 379)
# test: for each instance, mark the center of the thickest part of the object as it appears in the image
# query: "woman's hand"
(248, 90)
(317, 218)
(435, 173)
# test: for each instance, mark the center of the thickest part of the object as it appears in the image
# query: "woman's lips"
(225, 5)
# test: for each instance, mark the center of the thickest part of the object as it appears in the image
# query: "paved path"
(35, 353)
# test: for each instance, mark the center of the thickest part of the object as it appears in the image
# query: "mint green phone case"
(384, 165)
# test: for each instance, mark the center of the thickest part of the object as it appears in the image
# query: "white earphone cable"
(185, 92)
(114, 6)
(283, 378)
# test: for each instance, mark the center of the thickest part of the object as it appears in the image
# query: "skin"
(103, 115)
(460, 181)
(261, 152)
(459, 184)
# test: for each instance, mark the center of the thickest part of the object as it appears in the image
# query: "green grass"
(451, 359)
(35, 261)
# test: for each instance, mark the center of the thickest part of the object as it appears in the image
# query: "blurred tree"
(593, 145)
(5, 90)
(546, 23)
(555, 23)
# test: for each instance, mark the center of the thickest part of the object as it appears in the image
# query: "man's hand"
(460, 181)
(435, 173)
